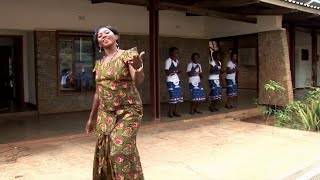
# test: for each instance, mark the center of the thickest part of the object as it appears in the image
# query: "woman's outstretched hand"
(137, 60)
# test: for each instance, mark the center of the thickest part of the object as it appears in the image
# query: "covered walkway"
(29, 126)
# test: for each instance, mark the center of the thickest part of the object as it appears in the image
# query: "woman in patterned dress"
(117, 109)
(194, 71)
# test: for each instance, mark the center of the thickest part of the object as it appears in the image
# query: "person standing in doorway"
(173, 82)
(214, 81)
(194, 71)
(117, 109)
(232, 91)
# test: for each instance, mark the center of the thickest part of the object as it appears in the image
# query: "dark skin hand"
(135, 63)
(230, 71)
(193, 70)
(173, 71)
(211, 68)
(234, 60)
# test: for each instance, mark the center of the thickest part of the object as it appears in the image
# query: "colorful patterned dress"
(119, 116)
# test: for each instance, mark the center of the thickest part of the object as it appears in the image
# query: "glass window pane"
(76, 58)
(84, 61)
(66, 64)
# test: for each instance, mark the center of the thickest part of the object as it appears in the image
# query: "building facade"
(48, 54)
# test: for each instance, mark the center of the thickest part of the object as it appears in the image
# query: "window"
(77, 54)
(304, 54)
(247, 56)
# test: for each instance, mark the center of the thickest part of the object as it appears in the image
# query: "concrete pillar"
(274, 64)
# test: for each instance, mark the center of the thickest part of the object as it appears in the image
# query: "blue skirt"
(215, 89)
(232, 89)
(175, 92)
(197, 92)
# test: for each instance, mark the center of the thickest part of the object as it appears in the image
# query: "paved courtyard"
(209, 148)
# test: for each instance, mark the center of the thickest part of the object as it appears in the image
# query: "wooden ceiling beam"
(205, 12)
(308, 17)
(187, 9)
(225, 3)
(266, 12)
(129, 2)
(309, 24)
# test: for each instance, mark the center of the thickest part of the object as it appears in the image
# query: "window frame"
(74, 36)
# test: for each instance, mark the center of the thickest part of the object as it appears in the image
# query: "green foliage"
(273, 109)
(308, 112)
(274, 86)
(303, 115)
(284, 117)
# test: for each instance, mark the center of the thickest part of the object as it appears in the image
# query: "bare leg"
(195, 108)
(212, 104)
(215, 102)
(229, 101)
(175, 110)
(235, 101)
(192, 107)
(170, 112)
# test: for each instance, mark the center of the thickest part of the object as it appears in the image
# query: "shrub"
(304, 114)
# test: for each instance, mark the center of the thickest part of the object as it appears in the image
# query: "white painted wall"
(303, 68)
(177, 24)
(81, 15)
(222, 28)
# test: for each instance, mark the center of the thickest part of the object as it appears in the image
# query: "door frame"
(18, 60)
(235, 40)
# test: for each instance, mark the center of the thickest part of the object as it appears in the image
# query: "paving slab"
(198, 149)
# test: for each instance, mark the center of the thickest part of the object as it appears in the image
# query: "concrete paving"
(208, 148)
(32, 126)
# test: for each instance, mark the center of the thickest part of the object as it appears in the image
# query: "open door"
(11, 74)
(6, 87)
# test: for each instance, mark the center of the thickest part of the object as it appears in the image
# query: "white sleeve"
(213, 63)
(200, 68)
(168, 64)
(189, 67)
(230, 65)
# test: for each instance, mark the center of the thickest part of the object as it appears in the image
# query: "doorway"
(11, 74)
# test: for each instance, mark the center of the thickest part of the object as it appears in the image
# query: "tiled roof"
(315, 4)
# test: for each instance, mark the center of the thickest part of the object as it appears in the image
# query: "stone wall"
(274, 64)
(49, 99)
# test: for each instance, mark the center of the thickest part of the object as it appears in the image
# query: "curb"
(302, 170)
